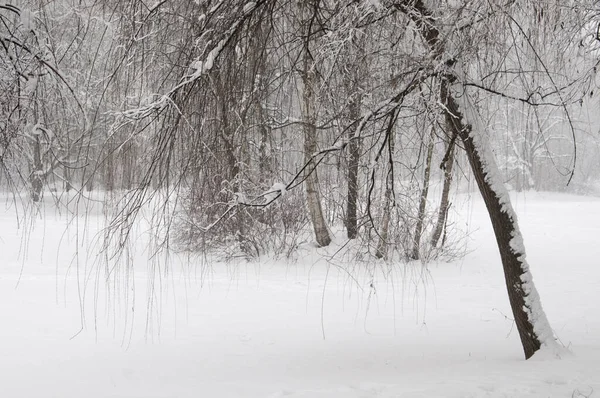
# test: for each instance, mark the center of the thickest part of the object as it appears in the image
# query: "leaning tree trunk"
(532, 324)
(422, 202)
(309, 119)
(445, 202)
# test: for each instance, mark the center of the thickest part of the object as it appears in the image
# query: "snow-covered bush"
(246, 231)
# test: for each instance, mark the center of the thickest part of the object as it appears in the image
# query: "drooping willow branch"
(201, 67)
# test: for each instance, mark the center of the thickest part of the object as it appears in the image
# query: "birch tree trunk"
(444, 202)
(382, 246)
(415, 255)
(309, 119)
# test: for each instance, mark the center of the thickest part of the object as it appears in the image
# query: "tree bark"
(353, 157)
(312, 192)
(109, 167)
(353, 84)
(36, 176)
(444, 202)
(415, 255)
(531, 322)
(382, 246)
(309, 118)
(313, 199)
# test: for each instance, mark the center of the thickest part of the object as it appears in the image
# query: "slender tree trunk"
(309, 118)
(67, 170)
(313, 198)
(353, 158)
(353, 84)
(445, 202)
(265, 168)
(67, 177)
(233, 164)
(128, 164)
(109, 167)
(382, 246)
(89, 181)
(415, 255)
(36, 178)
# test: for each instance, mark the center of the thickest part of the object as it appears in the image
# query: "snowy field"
(309, 328)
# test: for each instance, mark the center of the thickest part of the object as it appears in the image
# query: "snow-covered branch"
(200, 67)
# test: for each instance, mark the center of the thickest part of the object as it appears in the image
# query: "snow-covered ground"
(321, 326)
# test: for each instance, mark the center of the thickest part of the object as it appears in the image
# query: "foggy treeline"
(268, 118)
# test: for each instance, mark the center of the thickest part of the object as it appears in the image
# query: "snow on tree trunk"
(533, 326)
